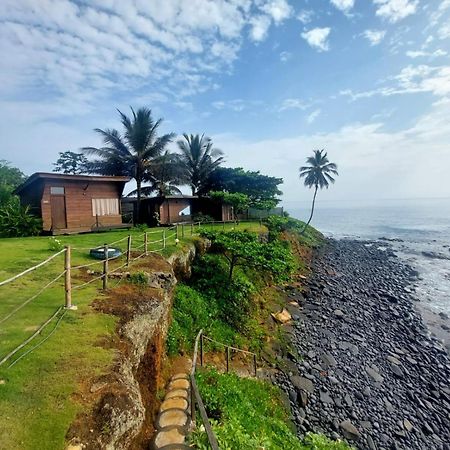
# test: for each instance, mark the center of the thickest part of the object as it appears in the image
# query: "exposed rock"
(283, 316)
(349, 430)
(374, 375)
(303, 383)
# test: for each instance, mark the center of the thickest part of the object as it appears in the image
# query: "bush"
(16, 221)
(55, 244)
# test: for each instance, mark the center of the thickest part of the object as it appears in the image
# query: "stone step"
(170, 417)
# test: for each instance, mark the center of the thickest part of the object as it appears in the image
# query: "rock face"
(125, 397)
(369, 371)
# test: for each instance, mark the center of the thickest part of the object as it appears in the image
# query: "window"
(105, 207)
(54, 190)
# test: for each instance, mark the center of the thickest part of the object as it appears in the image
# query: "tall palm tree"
(318, 174)
(165, 174)
(198, 159)
(132, 153)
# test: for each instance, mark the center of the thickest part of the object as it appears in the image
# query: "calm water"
(421, 225)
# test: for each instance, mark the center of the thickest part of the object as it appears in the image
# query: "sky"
(268, 80)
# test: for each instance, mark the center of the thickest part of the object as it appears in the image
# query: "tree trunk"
(312, 211)
(138, 203)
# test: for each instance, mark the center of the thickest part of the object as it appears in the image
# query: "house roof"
(164, 197)
(68, 177)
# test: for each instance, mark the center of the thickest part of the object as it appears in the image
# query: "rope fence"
(142, 243)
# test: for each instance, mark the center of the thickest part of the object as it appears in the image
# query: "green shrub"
(55, 244)
(16, 221)
(139, 278)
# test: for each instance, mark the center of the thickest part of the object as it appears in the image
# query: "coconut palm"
(198, 160)
(318, 174)
(132, 153)
(165, 175)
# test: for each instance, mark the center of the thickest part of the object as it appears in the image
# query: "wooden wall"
(79, 195)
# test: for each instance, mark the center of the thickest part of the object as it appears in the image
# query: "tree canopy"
(262, 190)
(199, 160)
(71, 163)
(241, 248)
(132, 153)
(10, 178)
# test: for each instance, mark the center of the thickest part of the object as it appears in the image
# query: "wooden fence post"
(223, 225)
(182, 230)
(228, 358)
(105, 267)
(164, 238)
(176, 231)
(254, 363)
(201, 350)
(146, 244)
(192, 228)
(68, 280)
(129, 250)
(193, 417)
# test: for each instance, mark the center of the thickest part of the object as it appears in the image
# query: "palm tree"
(132, 153)
(198, 159)
(165, 174)
(318, 174)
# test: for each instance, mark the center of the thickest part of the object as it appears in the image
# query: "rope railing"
(30, 299)
(196, 399)
(9, 280)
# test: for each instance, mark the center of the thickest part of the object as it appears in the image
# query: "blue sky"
(268, 80)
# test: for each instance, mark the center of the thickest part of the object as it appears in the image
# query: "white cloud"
(343, 5)
(285, 56)
(444, 31)
(420, 53)
(395, 10)
(293, 103)
(374, 36)
(259, 27)
(434, 80)
(305, 16)
(317, 38)
(278, 10)
(313, 116)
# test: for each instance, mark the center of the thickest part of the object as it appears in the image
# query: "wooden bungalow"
(176, 208)
(74, 203)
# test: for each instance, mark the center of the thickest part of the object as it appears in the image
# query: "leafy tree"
(241, 248)
(318, 174)
(133, 153)
(238, 201)
(10, 178)
(262, 190)
(72, 163)
(198, 160)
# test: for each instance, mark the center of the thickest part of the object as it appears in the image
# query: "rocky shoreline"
(368, 369)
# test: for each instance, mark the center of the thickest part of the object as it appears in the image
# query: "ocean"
(418, 230)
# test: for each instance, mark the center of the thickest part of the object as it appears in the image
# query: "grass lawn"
(37, 401)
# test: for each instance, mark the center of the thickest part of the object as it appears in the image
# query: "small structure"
(176, 208)
(74, 203)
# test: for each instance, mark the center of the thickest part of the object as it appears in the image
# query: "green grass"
(247, 414)
(37, 402)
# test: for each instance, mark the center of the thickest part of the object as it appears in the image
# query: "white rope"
(87, 282)
(18, 308)
(31, 268)
(31, 337)
(88, 265)
(40, 343)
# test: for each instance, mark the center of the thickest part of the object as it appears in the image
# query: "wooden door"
(58, 205)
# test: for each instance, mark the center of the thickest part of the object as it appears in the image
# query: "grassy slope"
(37, 401)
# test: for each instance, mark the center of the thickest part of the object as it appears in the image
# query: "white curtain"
(105, 207)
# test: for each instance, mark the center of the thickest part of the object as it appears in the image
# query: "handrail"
(196, 399)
